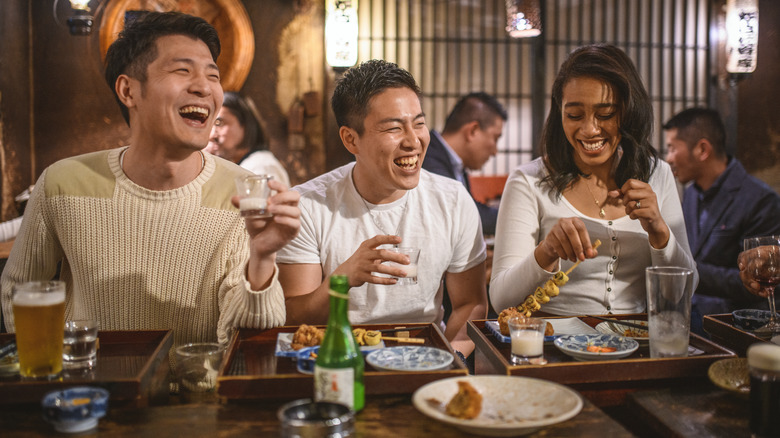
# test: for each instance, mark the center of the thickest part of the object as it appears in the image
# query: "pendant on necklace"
(602, 213)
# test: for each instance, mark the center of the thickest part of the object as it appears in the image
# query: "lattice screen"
(453, 47)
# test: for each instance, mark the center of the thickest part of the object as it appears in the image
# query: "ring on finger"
(638, 204)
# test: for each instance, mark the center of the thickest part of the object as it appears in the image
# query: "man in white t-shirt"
(349, 215)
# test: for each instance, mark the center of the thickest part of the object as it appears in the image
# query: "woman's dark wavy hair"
(134, 48)
(609, 64)
(254, 138)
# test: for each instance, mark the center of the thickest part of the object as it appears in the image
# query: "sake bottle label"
(335, 385)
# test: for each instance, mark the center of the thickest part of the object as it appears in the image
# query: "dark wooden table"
(384, 416)
(690, 411)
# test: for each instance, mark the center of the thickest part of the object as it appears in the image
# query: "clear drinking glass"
(39, 313)
(253, 192)
(527, 340)
(761, 258)
(669, 292)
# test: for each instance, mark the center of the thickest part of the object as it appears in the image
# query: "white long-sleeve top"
(612, 282)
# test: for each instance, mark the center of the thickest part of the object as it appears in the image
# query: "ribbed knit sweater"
(138, 259)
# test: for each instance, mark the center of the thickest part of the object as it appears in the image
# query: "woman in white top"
(238, 137)
(598, 178)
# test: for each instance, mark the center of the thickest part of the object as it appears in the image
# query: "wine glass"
(762, 264)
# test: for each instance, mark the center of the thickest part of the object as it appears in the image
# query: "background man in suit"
(468, 140)
(723, 206)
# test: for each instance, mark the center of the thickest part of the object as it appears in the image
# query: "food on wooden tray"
(542, 295)
(360, 335)
(635, 333)
(549, 330)
(306, 336)
(504, 317)
(509, 313)
(367, 337)
(599, 349)
(373, 337)
(466, 403)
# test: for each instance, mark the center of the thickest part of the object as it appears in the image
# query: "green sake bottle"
(338, 371)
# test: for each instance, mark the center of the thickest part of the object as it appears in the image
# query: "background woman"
(238, 137)
(599, 178)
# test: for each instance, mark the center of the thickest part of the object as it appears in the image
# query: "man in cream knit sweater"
(148, 236)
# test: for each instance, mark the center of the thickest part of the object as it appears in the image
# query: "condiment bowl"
(75, 409)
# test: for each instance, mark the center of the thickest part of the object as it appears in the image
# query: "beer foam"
(38, 298)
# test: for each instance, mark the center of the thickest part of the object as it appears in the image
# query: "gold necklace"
(599, 205)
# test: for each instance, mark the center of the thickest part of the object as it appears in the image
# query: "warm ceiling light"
(523, 18)
(80, 5)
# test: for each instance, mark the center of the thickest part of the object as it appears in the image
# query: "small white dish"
(511, 405)
(576, 346)
(409, 358)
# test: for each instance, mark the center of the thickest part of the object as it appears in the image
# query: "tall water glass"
(39, 317)
(669, 291)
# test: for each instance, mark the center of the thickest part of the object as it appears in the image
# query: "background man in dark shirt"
(723, 206)
(468, 140)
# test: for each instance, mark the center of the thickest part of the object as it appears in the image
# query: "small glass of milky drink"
(253, 193)
(527, 340)
(411, 268)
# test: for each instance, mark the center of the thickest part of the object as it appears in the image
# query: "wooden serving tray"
(252, 370)
(605, 383)
(132, 365)
(721, 329)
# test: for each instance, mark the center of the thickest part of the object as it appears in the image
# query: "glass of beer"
(39, 316)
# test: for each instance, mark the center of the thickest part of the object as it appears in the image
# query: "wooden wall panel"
(15, 116)
(758, 108)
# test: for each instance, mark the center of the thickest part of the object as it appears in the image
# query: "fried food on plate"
(306, 336)
(466, 403)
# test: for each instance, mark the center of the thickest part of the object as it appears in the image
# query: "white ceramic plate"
(611, 328)
(576, 346)
(409, 358)
(511, 405)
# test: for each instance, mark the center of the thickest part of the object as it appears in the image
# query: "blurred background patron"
(237, 136)
(469, 139)
(722, 206)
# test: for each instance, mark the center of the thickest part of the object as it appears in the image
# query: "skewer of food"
(541, 295)
(309, 336)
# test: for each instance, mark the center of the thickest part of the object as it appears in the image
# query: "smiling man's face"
(390, 151)
(177, 104)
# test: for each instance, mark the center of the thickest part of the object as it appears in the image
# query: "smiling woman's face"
(591, 122)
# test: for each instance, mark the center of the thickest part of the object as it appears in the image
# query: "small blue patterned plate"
(576, 346)
(409, 358)
(75, 409)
